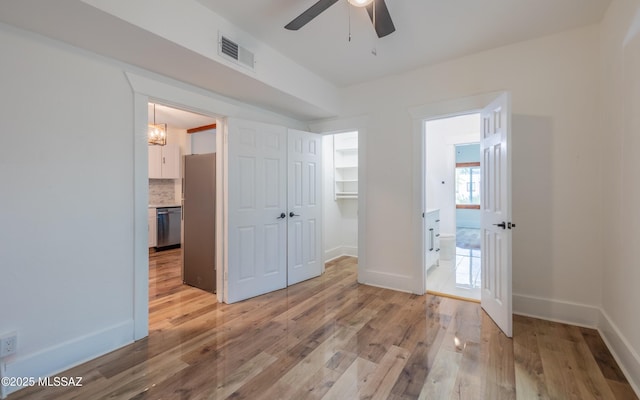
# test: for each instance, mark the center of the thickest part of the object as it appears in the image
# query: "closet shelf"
(347, 195)
(345, 165)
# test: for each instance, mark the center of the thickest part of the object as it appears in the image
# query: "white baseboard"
(340, 251)
(556, 310)
(626, 357)
(56, 359)
(589, 317)
(385, 280)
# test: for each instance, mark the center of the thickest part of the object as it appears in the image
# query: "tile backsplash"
(162, 191)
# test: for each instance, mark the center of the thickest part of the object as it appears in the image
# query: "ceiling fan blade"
(383, 24)
(312, 12)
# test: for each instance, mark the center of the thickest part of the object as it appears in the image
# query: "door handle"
(282, 216)
(502, 225)
(431, 240)
(291, 214)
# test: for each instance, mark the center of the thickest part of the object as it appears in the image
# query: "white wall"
(272, 68)
(67, 168)
(554, 96)
(441, 137)
(66, 162)
(203, 142)
(619, 140)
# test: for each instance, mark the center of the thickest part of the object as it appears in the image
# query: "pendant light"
(360, 3)
(157, 133)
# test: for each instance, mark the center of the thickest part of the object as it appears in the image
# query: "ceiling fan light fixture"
(360, 3)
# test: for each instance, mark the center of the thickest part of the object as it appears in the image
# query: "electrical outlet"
(8, 344)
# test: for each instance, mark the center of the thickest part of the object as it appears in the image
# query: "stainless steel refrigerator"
(199, 221)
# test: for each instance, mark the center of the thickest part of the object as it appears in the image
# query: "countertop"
(165, 205)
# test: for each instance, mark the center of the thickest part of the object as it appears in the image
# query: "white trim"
(589, 317)
(332, 254)
(222, 222)
(340, 251)
(420, 114)
(350, 251)
(556, 310)
(333, 126)
(186, 98)
(63, 356)
(140, 222)
(402, 283)
(382, 286)
(627, 358)
(357, 123)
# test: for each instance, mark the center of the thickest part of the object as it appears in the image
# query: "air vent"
(236, 53)
(229, 48)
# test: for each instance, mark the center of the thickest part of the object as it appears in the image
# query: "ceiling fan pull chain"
(374, 50)
(349, 11)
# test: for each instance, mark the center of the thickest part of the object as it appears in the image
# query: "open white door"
(305, 208)
(257, 203)
(496, 222)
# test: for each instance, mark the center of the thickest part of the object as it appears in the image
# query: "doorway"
(179, 134)
(452, 196)
(341, 192)
(496, 226)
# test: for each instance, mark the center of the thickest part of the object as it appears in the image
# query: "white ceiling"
(427, 31)
(176, 118)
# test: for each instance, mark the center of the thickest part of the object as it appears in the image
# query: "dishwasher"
(169, 220)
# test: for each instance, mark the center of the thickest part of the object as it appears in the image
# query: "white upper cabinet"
(164, 162)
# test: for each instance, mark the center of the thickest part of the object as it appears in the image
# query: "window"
(468, 185)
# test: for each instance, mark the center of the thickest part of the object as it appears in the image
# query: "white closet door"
(496, 223)
(305, 207)
(257, 199)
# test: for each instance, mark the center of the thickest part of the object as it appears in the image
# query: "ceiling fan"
(377, 10)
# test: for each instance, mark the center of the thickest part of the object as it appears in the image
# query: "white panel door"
(305, 207)
(496, 212)
(257, 199)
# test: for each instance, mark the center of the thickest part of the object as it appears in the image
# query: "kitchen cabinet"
(345, 163)
(164, 162)
(432, 230)
(153, 227)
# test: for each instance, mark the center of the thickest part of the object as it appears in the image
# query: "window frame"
(467, 206)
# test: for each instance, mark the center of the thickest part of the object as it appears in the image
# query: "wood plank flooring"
(331, 338)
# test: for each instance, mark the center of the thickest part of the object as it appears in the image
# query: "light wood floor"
(331, 338)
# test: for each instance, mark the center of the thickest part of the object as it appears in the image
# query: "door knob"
(282, 216)
(502, 225)
(291, 214)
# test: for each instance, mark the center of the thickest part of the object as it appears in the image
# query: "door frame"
(343, 125)
(419, 115)
(183, 96)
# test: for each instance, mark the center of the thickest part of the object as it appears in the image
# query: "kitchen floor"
(460, 276)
